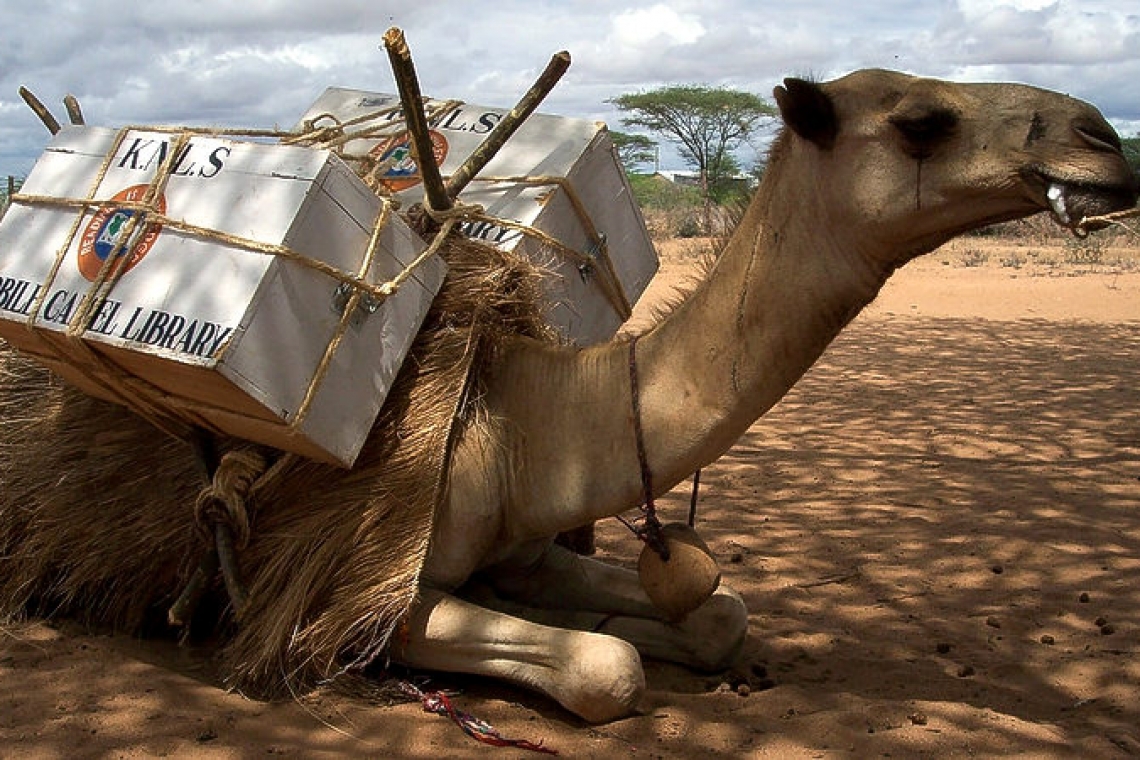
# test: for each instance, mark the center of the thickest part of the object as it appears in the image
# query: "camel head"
(901, 164)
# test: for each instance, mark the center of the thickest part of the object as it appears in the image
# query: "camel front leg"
(594, 676)
(566, 590)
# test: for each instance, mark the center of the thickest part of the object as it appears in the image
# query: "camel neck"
(779, 294)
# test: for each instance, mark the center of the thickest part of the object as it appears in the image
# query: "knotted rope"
(145, 214)
(224, 499)
(221, 511)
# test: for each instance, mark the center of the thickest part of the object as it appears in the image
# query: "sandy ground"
(937, 534)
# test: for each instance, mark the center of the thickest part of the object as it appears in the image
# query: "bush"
(657, 193)
(1088, 250)
(690, 227)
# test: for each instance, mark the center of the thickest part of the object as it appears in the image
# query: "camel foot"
(595, 676)
(581, 593)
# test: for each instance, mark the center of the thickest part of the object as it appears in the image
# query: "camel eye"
(923, 132)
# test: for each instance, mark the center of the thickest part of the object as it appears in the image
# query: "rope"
(171, 413)
(220, 513)
(144, 399)
(381, 291)
(650, 530)
(224, 499)
(610, 282)
(1112, 218)
(439, 703)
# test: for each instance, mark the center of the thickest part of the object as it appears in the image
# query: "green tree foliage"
(657, 193)
(706, 123)
(634, 150)
(1132, 151)
(8, 184)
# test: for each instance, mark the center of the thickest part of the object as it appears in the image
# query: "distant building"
(741, 182)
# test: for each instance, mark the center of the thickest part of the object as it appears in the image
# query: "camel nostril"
(1098, 136)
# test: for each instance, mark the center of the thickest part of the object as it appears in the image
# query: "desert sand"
(937, 533)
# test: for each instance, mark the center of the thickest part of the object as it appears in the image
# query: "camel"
(870, 171)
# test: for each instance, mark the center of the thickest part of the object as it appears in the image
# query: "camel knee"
(602, 679)
(717, 629)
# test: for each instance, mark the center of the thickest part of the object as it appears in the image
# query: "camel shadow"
(942, 512)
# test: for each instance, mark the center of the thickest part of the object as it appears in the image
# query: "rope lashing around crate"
(146, 214)
(611, 283)
(339, 133)
(386, 289)
(115, 265)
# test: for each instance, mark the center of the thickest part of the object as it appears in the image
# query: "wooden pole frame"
(502, 132)
(413, 103)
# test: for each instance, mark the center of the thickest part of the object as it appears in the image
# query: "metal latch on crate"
(365, 307)
(586, 268)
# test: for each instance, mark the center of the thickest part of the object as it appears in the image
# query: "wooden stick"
(405, 73)
(74, 112)
(558, 65)
(40, 110)
(227, 560)
(183, 608)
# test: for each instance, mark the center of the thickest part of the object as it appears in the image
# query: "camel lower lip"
(1071, 205)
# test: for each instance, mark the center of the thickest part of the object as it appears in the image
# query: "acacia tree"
(706, 123)
(633, 150)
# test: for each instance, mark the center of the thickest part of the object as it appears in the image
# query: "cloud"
(261, 62)
(657, 25)
(1034, 32)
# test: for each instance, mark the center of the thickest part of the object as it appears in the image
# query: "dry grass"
(1036, 246)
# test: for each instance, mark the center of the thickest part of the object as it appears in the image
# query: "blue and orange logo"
(103, 234)
(402, 171)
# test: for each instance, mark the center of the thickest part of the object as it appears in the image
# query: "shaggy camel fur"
(870, 171)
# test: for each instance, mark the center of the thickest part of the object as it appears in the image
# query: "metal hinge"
(365, 307)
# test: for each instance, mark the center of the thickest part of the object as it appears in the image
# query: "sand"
(937, 533)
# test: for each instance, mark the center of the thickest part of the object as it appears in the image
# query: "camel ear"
(808, 111)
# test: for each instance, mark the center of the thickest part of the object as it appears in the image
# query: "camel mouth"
(1075, 205)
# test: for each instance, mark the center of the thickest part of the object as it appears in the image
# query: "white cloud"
(260, 62)
(1045, 33)
(655, 25)
(980, 8)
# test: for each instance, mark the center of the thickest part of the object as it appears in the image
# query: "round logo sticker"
(402, 171)
(103, 234)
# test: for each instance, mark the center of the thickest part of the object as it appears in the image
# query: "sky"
(260, 63)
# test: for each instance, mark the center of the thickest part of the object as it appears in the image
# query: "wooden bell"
(689, 577)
